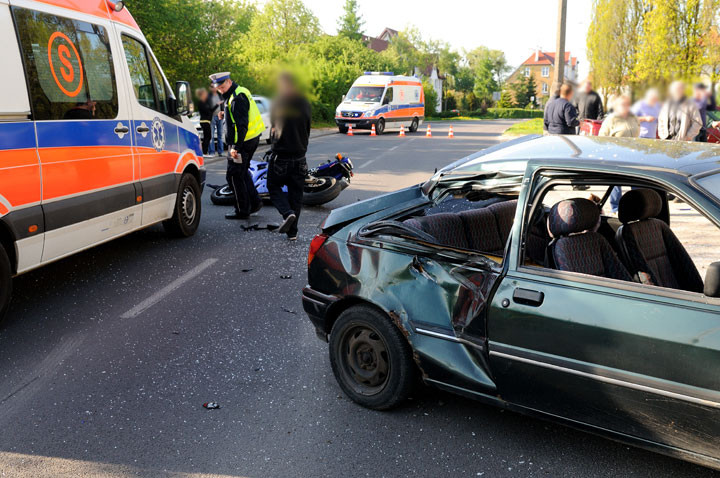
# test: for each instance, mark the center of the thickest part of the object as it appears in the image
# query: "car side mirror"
(712, 280)
(182, 95)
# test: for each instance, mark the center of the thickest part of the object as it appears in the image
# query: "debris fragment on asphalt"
(247, 270)
(211, 405)
(286, 276)
(289, 311)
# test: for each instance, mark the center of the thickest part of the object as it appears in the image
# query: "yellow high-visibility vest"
(255, 122)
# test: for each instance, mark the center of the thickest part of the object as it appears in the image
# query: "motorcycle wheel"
(323, 191)
(223, 196)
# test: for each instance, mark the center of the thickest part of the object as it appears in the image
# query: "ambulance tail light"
(315, 246)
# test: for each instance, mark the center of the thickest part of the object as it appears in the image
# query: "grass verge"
(533, 126)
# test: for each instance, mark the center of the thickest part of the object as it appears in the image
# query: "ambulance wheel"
(414, 125)
(343, 129)
(380, 127)
(5, 282)
(186, 217)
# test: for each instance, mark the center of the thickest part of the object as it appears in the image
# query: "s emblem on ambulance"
(158, 134)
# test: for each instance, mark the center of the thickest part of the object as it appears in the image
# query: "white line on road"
(168, 289)
(366, 163)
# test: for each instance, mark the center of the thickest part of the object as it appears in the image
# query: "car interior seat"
(576, 246)
(652, 252)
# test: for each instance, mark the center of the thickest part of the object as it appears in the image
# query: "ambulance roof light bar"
(385, 73)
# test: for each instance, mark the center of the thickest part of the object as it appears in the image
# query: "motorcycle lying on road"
(323, 183)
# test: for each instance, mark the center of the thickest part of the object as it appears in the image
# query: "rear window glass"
(69, 67)
(711, 184)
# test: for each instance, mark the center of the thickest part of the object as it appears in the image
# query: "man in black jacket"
(588, 103)
(290, 118)
(244, 127)
(560, 115)
(206, 112)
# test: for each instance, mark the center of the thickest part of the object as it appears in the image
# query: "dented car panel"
(640, 366)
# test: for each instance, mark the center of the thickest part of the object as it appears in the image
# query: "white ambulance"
(382, 99)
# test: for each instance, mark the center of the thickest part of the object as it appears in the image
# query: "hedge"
(493, 113)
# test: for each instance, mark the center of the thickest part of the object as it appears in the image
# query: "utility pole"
(559, 74)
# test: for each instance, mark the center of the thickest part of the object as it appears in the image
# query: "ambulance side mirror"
(182, 95)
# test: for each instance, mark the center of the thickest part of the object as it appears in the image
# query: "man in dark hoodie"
(290, 117)
(561, 117)
(244, 126)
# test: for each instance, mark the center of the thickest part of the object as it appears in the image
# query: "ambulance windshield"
(369, 94)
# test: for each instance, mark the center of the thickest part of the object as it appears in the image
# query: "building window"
(544, 88)
(527, 71)
(545, 71)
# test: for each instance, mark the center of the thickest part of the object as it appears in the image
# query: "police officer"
(244, 126)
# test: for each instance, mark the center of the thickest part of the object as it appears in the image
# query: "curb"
(264, 147)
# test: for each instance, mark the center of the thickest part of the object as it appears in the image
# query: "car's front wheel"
(186, 216)
(371, 359)
(380, 127)
(343, 129)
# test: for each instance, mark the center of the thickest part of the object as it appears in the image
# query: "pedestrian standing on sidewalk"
(206, 113)
(701, 98)
(244, 126)
(647, 111)
(679, 117)
(588, 103)
(290, 117)
(621, 123)
(560, 114)
(216, 122)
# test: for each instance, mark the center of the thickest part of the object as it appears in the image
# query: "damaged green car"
(512, 277)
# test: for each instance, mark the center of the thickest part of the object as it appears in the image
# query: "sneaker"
(292, 237)
(287, 223)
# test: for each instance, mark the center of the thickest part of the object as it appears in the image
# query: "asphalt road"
(108, 356)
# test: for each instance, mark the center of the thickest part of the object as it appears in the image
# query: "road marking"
(369, 161)
(167, 290)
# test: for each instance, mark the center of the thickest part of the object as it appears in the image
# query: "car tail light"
(315, 246)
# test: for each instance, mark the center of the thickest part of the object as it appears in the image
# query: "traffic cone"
(350, 133)
(450, 133)
(372, 131)
(402, 131)
(428, 134)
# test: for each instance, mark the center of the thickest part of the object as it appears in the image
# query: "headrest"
(638, 204)
(571, 216)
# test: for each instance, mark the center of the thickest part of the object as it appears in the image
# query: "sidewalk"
(315, 133)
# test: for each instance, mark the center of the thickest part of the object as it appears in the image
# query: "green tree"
(485, 84)
(525, 92)
(191, 50)
(351, 23)
(506, 100)
(431, 99)
(481, 57)
(281, 25)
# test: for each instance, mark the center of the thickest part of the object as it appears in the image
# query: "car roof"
(683, 158)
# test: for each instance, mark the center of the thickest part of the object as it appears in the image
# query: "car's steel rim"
(365, 359)
(189, 205)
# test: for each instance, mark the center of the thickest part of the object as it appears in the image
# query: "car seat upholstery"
(446, 228)
(576, 246)
(651, 250)
(482, 231)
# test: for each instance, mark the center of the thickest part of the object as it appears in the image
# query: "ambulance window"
(137, 61)
(160, 88)
(388, 96)
(68, 65)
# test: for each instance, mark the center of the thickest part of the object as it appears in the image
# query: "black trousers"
(291, 173)
(207, 135)
(240, 180)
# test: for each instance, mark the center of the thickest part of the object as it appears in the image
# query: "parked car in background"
(264, 104)
(94, 143)
(497, 280)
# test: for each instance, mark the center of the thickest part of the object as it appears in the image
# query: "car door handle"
(121, 129)
(528, 297)
(142, 129)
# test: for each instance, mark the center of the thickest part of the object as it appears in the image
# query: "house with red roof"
(541, 65)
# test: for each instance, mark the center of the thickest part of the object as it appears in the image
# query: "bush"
(322, 113)
(430, 99)
(494, 113)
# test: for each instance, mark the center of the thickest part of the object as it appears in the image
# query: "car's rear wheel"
(186, 218)
(414, 125)
(5, 283)
(371, 359)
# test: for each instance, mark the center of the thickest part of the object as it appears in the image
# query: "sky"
(516, 27)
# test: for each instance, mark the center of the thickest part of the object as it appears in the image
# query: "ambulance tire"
(343, 129)
(414, 125)
(5, 283)
(186, 216)
(380, 127)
